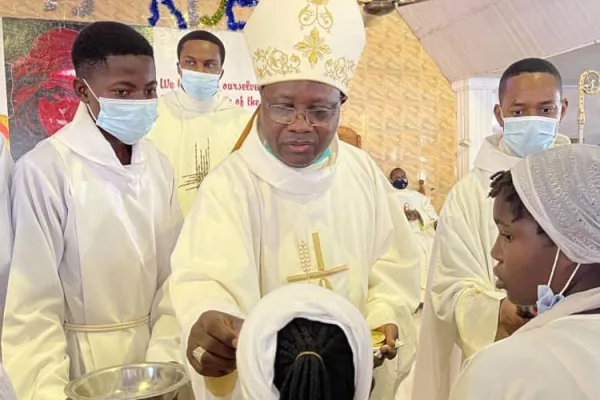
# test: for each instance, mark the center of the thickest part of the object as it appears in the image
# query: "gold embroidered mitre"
(315, 40)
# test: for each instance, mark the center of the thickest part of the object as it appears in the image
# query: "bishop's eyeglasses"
(316, 116)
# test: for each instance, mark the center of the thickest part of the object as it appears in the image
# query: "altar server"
(303, 328)
(464, 311)
(294, 203)
(548, 255)
(197, 125)
(6, 236)
(95, 218)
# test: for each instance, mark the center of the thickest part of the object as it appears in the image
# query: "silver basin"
(147, 381)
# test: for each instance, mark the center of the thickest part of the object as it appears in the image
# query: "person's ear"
(81, 90)
(178, 69)
(563, 109)
(498, 115)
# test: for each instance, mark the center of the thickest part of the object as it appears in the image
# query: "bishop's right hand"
(212, 344)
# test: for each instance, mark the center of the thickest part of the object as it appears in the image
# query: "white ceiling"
(479, 37)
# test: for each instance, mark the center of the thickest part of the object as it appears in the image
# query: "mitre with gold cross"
(315, 40)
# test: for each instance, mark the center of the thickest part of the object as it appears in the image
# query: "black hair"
(205, 36)
(531, 66)
(396, 170)
(313, 361)
(502, 186)
(100, 40)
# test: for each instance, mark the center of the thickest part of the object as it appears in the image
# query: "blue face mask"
(546, 297)
(528, 135)
(199, 85)
(126, 120)
(400, 183)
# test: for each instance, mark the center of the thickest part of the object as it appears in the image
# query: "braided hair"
(313, 361)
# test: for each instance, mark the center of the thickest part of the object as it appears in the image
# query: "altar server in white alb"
(294, 204)
(197, 125)
(305, 340)
(95, 219)
(548, 254)
(464, 311)
(6, 235)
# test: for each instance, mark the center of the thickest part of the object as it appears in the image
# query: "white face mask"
(546, 297)
(199, 85)
(528, 135)
(127, 120)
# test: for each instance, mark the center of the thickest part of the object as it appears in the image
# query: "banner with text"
(238, 81)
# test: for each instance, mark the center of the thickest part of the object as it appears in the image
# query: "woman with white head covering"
(305, 342)
(547, 209)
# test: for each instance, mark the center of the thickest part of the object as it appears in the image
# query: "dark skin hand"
(411, 215)
(217, 333)
(388, 350)
(509, 320)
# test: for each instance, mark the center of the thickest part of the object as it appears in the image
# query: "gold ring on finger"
(197, 354)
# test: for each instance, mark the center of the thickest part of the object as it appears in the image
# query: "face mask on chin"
(546, 297)
(317, 160)
(199, 85)
(528, 135)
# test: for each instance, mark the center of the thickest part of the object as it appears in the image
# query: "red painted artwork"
(42, 84)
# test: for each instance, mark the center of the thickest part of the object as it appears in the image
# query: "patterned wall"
(404, 108)
(400, 103)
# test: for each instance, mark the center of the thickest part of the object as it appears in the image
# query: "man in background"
(422, 217)
(197, 126)
(464, 311)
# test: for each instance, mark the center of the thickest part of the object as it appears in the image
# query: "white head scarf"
(258, 339)
(560, 187)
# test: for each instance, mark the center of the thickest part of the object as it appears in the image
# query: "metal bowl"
(147, 381)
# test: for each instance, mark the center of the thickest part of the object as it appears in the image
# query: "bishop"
(296, 204)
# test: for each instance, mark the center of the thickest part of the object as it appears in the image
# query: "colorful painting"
(4, 126)
(39, 78)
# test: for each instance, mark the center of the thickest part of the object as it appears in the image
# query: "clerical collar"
(188, 103)
(315, 178)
